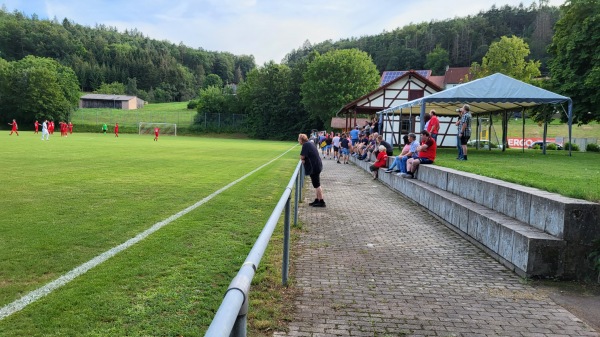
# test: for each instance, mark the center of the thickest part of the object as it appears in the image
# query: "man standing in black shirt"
(312, 167)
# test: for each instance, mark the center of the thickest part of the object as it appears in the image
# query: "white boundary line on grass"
(35, 295)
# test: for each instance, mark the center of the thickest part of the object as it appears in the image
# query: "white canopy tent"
(493, 93)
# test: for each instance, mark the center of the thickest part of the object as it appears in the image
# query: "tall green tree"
(575, 64)
(334, 79)
(36, 88)
(212, 100)
(437, 60)
(114, 88)
(509, 57)
(212, 80)
(270, 97)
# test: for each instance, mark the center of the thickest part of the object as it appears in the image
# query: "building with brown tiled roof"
(456, 76)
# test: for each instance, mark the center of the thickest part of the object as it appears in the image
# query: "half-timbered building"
(396, 87)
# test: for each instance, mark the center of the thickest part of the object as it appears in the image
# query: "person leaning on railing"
(312, 167)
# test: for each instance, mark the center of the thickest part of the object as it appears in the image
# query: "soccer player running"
(156, 130)
(37, 126)
(15, 127)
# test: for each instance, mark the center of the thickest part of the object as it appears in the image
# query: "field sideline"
(69, 199)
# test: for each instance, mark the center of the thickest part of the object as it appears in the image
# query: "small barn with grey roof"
(111, 101)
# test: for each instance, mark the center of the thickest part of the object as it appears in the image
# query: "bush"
(551, 146)
(591, 147)
(574, 147)
(192, 104)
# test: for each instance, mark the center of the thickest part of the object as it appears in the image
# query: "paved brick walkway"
(385, 267)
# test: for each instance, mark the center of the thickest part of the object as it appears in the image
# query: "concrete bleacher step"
(533, 232)
(523, 248)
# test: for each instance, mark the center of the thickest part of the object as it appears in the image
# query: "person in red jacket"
(156, 130)
(433, 127)
(70, 128)
(380, 162)
(37, 126)
(15, 127)
(116, 129)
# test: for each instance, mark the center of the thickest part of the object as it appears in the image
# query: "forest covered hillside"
(162, 71)
(466, 39)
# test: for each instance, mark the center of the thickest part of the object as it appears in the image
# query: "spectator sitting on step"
(427, 151)
(371, 148)
(367, 128)
(397, 159)
(380, 162)
(412, 153)
(361, 145)
(389, 149)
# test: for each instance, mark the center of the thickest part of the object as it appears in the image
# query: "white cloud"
(267, 29)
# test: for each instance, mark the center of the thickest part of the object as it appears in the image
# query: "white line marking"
(35, 295)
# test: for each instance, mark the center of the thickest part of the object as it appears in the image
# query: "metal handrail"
(231, 317)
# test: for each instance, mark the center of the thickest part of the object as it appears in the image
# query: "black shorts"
(464, 140)
(316, 180)
(336, 149)
(425, 161)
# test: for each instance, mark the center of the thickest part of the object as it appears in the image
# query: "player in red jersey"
(15, 127)
(116, 129)
(70, 128)
(156, 130)
(37, 126)
(61, 127)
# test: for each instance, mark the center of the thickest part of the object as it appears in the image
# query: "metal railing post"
(240, 328)
(297, 199)
(301, 173)
(286, 243)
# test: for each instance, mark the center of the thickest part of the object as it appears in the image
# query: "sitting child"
(380, 162)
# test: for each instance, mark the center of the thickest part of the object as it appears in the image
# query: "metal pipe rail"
(231, 317)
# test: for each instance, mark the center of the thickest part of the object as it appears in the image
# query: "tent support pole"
(544, 144)
(422, 117)
(570, 108)
(504, 129)
(490, 129)
(478, 137)
(523, 133)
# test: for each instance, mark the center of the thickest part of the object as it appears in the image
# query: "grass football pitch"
(68, 200)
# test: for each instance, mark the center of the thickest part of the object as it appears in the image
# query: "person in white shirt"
(45, 130)
(336, 147)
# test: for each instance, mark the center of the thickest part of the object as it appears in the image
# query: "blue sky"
(267, 29)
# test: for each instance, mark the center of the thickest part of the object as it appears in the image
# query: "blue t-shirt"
(354, 134)
(413, 148)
